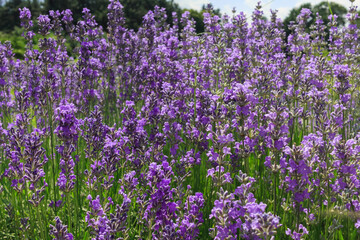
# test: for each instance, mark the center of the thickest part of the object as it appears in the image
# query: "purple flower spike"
(60, 231)
(25, 17)
(68, 132)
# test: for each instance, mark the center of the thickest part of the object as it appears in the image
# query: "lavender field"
(240, 132)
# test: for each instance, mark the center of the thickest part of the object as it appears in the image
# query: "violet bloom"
(25, 17)
(60, 231)
(160, 209)
(67, 132)
(97, 218)
(297, 235)
(56, 22)
(35, 159)
(14, 152)
(193, 217)
(299, 173)
(94, 133)
(110, 161)
(44, 24)
(239, 211)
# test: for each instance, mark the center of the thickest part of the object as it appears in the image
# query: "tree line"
(135, 9)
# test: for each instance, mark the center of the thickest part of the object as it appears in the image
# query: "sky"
(246, 6)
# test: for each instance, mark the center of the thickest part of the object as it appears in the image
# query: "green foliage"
(19, 43)
(9, 15)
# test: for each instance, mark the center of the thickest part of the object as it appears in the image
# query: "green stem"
(53, 159)
(40, 224)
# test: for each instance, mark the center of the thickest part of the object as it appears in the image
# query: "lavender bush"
(237, 133)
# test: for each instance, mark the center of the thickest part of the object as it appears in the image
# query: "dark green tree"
(9, 12)
(322, 8)
(35, 7)
(199, 17)
(135, 10)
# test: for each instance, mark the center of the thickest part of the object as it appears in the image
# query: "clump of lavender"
(239, 211)
(97, 219)
(104, 227)
(156, 123)
(192, 219)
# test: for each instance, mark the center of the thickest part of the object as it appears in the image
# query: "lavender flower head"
(67, 131)
(44, 24)
(60, 231)
(68, 124)
(25, 17)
